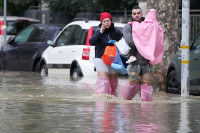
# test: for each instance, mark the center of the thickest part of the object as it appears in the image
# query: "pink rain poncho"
(148, 37)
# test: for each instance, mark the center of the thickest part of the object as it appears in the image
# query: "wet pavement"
(57, 104)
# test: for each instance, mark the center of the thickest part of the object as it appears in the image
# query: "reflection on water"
(184, 122)
(30, 103)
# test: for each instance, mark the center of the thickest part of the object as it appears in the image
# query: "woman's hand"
(102, 29)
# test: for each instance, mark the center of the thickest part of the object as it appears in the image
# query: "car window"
(24, 35)
(196, 44)
(76, 36)
(54, 35)
(64, 37)
(37, 35)
(13, 27)
(84, 36)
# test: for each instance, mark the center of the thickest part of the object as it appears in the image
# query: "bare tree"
(167, 15)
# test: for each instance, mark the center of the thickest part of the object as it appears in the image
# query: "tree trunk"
(168, 17)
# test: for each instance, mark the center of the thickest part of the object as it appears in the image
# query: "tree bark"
(168, 17)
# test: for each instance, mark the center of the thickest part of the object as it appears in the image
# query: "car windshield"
(13, 27)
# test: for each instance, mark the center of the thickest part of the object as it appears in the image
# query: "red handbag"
(109, 54)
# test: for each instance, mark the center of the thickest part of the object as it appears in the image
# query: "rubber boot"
(102, 85)
(114, 84)
(146, 92)
(128, 91)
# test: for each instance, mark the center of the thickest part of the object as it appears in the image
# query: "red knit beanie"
(105, 15)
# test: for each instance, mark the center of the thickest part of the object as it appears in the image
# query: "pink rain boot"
(146, 92)
(102, 85)
(114, 84)
(128, 91)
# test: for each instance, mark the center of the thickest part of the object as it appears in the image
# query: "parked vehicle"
(71, 49)
(14, 25)
(23, 52)
(173, 84)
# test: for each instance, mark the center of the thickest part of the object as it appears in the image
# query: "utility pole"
(4, 26)
(185, 47)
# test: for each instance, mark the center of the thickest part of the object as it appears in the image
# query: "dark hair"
(136, 7)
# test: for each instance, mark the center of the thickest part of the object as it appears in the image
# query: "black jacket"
(100, 41)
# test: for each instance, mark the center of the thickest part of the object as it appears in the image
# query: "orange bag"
(109, 54)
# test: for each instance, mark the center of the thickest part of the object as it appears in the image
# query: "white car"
(13, 26)
(71, 49)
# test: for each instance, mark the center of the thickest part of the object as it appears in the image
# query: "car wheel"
(37, 67)
(75, 74)
(43, 70)
(173, 86)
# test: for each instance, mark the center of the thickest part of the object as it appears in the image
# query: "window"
(13, 27)
(197, 42)
(76, 35)
(64, 36)
(37, 35)
(24, 35)
(54, 33)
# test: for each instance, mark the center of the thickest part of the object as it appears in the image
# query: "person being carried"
(107, 80)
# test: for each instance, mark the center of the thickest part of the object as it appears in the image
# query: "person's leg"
(146, 88)
(102, 84)
(113, 78)
(129, 89)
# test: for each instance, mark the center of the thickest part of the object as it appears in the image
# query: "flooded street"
(56, 104)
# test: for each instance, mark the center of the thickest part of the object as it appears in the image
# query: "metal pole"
(185, 79)
(4, 26)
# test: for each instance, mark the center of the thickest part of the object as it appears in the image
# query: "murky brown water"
(56, 104)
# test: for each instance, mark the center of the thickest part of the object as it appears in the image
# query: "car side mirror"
(10, 40)
(50, 42)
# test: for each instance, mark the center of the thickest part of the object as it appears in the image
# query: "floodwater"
(56, 104)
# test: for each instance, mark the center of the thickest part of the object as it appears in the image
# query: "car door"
(66, 47)
(25, 49)
(75, 45)
(195, 63)
(13, 52)
(35, 44)
(53, 56)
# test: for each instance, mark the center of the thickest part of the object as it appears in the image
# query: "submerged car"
(14, 25)
(24, 51)
(71, 49)
(173, 84)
